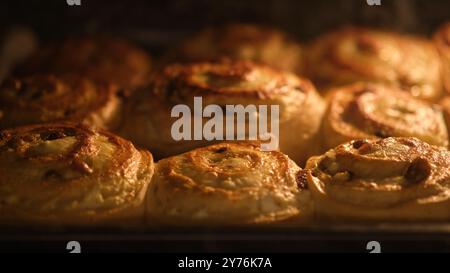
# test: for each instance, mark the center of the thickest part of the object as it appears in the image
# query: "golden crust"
(147, 115)
(442, 41)
(63, 174)
(242, 42)
(353, 54)
(445, 104)
(49, 98)
(365, 110)
(103, 59)
(228, 183)
(389, 180)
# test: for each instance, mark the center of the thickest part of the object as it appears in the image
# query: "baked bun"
(445, 104)
(148, 119)
(442, 40)
(69, 175)
(388, 180)
(111, 60)
(49, 98)
(354, 54)
(227, 184)
(242, 42)
(365, 110)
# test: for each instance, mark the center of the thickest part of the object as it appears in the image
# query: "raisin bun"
(103, 59)
(148, 120)
(387, 180)
(228, 184)
(49, 98)
(242, 42)
(353, 54)
(366, 110)
(70, 175)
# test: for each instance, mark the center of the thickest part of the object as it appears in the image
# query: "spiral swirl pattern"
(49, 98)
(377, 111)
(64, 174)
(225, 83)
(393, 179)
(228, 183)
(354, 54)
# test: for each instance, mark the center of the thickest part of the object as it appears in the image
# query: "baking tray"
(335, 238)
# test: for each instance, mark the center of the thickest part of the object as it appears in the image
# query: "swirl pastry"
(48, 98)
(393, 179)
(148, 113)
(442, 40)
(62, 174)
(103, 59)
(242, 42)
(227, 183)
(377, 111)
(356, 54)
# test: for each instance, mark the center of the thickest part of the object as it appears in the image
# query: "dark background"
(159, 23)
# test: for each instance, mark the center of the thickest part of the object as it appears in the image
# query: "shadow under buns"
(70, 175)
(49, 98)
(442, 41)
(111, 60)
(261, 44)
(388, 180)
(227, 184)
(365, 110)
(148, 119)
(353, 54)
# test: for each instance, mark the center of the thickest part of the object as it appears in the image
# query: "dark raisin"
(52, 175)
(302, 180)
(418, 171)
(221, 150)
(358, 143)
(380, 134)
(51, 135)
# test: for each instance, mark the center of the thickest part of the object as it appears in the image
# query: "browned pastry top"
(390, 179)
(104, 59)
(232, 183)
(442, 40)
(353, 54)
(228, 80)
(375, 111)
(69, 173)
(48, 98)
(243, 42)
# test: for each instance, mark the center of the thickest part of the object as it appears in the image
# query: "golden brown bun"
(148, 119)
(227, 183)
(68, 175)
(442, 40)
(242, 42)
(354, 54)
(365, 110)
(103, 59)
(445, 104)
(49, 98)
(389, 180)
